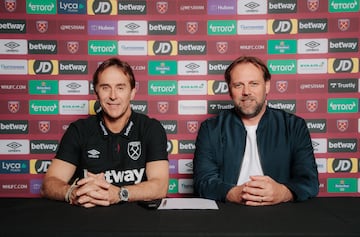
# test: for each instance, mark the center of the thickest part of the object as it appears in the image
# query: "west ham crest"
(10, 5)
(42, 26)
(192, 27)
(162, 7)
(312, 105)
(134, 150)
(13, 106)
(281, 86)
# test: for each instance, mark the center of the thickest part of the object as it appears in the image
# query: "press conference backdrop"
(179, 50)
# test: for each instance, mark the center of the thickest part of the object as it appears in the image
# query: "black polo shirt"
(90, 146)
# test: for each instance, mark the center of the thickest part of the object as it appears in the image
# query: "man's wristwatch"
(123, 194)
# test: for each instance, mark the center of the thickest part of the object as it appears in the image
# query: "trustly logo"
(343, 85)
(102, 47)
(282, 47)
(47, 7)
(162, 87)
(343, 105)
(282, 66)
(216, 106)
(43, 87)
(343, 6)
(221, 27)
(43, 107)
(166, 67)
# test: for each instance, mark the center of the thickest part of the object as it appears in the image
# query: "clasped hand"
(91, 191)
(259, 191)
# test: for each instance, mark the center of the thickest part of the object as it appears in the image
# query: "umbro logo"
(94, 154)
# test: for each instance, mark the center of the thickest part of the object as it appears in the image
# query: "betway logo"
(316, 125)
(342, 145)
(281, 6)
(138, 107)
(344, 44)
(42, 146)
(13, 126)
(129, 176)
(51, 46)
(289, 106)
(132, 7)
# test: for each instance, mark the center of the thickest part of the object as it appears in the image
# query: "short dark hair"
(247, 59)
(123, 66)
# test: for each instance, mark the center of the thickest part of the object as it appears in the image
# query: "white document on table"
(187, 203)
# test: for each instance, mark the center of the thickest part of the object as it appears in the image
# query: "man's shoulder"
(88, 122)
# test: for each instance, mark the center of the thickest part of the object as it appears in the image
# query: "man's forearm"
(54, 188)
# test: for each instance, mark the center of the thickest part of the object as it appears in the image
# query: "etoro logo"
(282, 66)
(47, 7)
(162, 88)
(222, 27)
(102, 47)
(343, 6)
(43, 107)
(343, 105)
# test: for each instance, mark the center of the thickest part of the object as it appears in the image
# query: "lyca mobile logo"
(282, 26)
(14, 167)
(343, 65)
(221, 27)
(102, 47)
(102, 7)
(282, 66)
(41, 7)
(49, 67)
(162, 88)
(72, 7)
(43, 107)
(343, 105)
(344, 6)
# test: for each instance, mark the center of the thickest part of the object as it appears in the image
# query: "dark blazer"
(285, 150)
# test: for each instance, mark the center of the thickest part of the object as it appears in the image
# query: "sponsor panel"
(13, 187)
(13, 87)
(14, 167)
(71, 7)
(14, 107)
(13, 46)
(342, 185)
(215, 7)
(14, 147)
(185, 186)
(95, 7)
(47, 7)
(14, 126)
(342, 165)
(13, 67)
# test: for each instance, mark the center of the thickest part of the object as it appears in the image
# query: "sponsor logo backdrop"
(179, 50)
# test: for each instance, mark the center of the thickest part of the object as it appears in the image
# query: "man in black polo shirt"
(115, 156)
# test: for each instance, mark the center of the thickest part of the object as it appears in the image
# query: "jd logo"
(43, 67)
(162, 47)
(282, 26)
(102, 7)
(343, 65)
